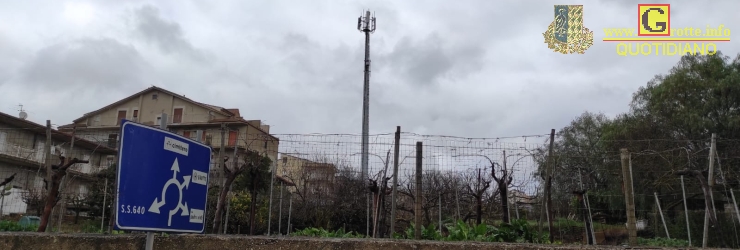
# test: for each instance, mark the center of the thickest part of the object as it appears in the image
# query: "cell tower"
(366, 24)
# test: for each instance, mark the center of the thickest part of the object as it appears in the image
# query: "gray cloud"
(103, 64)
(7, 63)
(167, 36)
(424, 62)
(478, 70)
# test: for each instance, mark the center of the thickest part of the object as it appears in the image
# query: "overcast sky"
(461, 68)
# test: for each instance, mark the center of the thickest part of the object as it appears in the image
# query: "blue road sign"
(162, 181)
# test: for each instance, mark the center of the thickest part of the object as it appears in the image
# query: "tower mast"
(366, 24)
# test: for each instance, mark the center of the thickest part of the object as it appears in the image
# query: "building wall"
(29, 183)
(17, 136)
(99, 135)
(150, 108)
(23, 143)
(291, 167)
(102, 126)
(306, 174)
(24, 178)
(247, 137)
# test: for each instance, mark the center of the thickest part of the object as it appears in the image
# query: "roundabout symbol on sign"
(154, 208)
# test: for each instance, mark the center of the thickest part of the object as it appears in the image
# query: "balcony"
(87, 168)
(35, 157)
(319, 177)
(13, 150)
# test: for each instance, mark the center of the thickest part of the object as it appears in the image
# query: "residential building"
(22, 152)
(309, 177)
(521, 200)
(183, 116)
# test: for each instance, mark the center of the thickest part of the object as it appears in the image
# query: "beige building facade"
(309, 177)
(22, 152)
(183, 116)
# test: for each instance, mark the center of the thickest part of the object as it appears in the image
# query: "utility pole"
(366, 24)
(220, 162)
(394, 195)
(686, 211)
(710, 183)
(63, 181)
(548, 186)
(273, 169)
(628, 197)
(47, 149)
(418, 195)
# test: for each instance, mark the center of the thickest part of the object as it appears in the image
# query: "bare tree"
(78, 202)
(707, 197)
(503, 180)
(7, 180)
(251, 167)
(434, 186)
(379, 192)
(53, 196)
(3, 189)
(348, 200)
(327, 191)
(230, 176)
(476, 187)
(34, 198)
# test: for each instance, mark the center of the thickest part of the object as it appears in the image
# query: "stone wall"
(43, 241)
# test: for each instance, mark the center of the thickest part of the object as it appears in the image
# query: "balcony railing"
(10, 149)
(88, 168)
(38, 156)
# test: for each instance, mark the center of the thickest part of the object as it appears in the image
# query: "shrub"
(12, 226)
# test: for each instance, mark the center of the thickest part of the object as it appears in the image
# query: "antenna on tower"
(23, 115)
(366, 22)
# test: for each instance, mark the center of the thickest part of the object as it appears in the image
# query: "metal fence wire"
(317, 183)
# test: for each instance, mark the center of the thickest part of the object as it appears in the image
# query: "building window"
(136, 115)
(112, 140)
(121, 116)
(193, 135)
(154, 96)
(232, 138)
(177, 115)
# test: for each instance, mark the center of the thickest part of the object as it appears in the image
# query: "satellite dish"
(23, 115)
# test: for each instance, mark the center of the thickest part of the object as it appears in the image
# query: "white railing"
(20, 152)
(86, 168)
(38, 156)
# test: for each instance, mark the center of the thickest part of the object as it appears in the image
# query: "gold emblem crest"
(566, 34)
